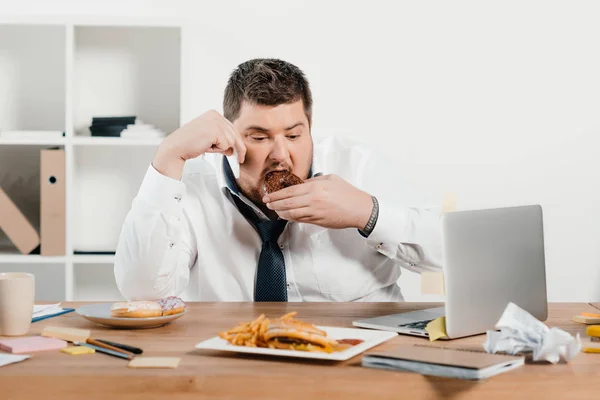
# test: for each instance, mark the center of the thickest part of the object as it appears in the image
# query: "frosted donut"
(136, 309)
(171, 305)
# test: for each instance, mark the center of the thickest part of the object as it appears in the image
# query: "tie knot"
(270, 231)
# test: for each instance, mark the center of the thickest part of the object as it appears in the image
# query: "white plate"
(371, 339)
(100, 314)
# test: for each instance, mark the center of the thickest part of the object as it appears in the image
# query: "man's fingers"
(290, 203)
(238, 143)
(292, 191)
(297, 214)
(221, 144)
(318, 177)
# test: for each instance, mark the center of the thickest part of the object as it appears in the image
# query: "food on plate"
(278, 180)
(171, 305)
(285, 333)
(147, 309)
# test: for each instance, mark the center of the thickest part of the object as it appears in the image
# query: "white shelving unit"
(56, 74)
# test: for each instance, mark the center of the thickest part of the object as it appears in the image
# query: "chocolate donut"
(278, 180)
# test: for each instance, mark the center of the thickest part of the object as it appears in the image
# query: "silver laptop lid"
(492, 257)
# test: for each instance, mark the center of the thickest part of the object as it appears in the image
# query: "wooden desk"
(216, 375)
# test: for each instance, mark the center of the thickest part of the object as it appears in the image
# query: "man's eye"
(293, 137)
(258, 138)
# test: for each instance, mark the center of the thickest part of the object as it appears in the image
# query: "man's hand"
(209, 133)
(327, 201)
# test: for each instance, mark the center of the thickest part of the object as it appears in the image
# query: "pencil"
(106, 346)
(125, 347)
(105, 351)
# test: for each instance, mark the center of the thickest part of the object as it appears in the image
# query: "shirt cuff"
(161, 191)
(390, 229)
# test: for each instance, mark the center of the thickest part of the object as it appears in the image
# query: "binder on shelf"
(18, 229)
(52, 202)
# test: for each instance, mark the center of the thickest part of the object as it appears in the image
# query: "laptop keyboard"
(416, 325)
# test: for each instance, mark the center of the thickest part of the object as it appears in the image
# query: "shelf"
(127, 71)
(32, 142)
(114, 141)
(38, 259)
(94, 259)
(30, 259)
(32, 77)
(56, 75)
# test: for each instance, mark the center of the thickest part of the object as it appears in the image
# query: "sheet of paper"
(45, 309)
(437, 329)
(6, 359)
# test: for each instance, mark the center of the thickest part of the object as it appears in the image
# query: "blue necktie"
(270, 282)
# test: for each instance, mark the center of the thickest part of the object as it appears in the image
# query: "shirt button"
(379, 246)
(177, 199)
(171, 244)
(281, 246)
(289, 287)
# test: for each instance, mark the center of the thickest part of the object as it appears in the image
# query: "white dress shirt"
(187, 238)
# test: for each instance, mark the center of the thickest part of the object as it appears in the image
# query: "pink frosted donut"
(171, 305)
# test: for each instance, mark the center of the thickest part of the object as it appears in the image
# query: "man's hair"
(266, 81)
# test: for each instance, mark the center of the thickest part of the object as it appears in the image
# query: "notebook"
(442, 361)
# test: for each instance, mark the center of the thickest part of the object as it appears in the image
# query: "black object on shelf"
(110, 126)
(95, 252)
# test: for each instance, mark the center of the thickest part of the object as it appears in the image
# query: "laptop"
(491, 257)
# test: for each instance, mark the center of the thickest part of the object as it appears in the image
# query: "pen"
(134, 350)
(105, 351)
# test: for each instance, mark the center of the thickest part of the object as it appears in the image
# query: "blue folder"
(56, 314)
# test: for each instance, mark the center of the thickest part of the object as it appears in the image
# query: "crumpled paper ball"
(522, 332)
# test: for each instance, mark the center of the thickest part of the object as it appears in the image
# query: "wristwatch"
(366, 231)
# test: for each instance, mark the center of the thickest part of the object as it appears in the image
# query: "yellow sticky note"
(432, 283)
(78, 350)
(593, 330)
(449, 203)
(591, 350)
(154, 362)
(437, 329)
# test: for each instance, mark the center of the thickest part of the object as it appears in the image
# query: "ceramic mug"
(17, 293)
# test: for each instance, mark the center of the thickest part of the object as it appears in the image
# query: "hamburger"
(291, 334)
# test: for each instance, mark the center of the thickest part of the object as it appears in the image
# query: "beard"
(255, 194)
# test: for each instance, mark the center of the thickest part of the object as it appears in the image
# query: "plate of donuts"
(135, 314)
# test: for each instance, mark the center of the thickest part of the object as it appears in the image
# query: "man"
(201, 233)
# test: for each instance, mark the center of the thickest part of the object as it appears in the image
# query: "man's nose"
(279, 152)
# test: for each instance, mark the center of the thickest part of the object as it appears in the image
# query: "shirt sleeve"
(156, 248)
(408, 227)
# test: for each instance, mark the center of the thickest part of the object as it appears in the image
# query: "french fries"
(248, 334)
(251, 334)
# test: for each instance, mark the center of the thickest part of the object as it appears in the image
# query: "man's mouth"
(277, 180)
(277, 170)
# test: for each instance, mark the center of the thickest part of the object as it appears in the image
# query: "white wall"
(497, 102)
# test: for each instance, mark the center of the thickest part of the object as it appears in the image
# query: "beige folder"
(52, 202)
(16, 226)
